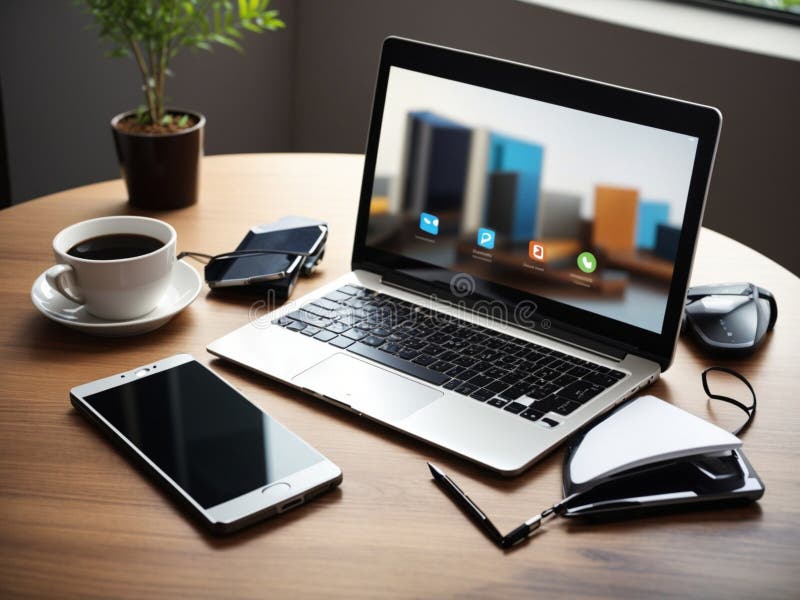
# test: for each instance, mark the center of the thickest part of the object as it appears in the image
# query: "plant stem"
(162, 68)
(151, 55)
(145, 76)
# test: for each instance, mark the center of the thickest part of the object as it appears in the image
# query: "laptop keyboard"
(505, 372)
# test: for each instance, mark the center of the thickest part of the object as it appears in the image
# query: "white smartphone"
(224, 458)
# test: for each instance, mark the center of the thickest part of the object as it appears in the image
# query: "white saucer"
(184, 288)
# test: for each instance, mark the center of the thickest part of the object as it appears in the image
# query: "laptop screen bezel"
(695, 120)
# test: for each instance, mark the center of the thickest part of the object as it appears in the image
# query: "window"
(781, 10)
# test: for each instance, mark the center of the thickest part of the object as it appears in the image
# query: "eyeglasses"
(213, 262)
(750, 410)
(200, 257)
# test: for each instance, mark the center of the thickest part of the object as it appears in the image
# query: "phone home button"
(278, 488)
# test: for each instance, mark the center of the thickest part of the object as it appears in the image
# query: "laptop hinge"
(553, 331)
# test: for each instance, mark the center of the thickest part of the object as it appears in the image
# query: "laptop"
(523, 244)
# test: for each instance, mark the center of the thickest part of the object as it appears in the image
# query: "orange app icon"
(536, 251)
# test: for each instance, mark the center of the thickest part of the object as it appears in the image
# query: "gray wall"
(309, 88)
(60, 92)
(756, 184)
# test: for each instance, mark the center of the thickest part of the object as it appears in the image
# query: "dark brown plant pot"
(161, 171)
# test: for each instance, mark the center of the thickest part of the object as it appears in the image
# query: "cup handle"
(61, 278)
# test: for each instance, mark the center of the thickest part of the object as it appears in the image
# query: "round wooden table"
(76, 520)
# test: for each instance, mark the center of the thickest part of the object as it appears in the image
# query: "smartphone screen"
(245, 267)
(203, 434)
(295, 239)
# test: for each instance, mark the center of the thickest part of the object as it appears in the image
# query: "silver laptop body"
(429, 408)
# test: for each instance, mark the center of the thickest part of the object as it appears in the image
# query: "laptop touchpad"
(366, 388)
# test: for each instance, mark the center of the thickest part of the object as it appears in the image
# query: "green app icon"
(587, 262)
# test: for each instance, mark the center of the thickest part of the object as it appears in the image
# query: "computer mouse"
(729, 319)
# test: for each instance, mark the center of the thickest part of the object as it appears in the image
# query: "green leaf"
(142, 29)
(166, 120)
(118, 52)
(183, 121)
(250, 26)
(142, 115)
(225, 41)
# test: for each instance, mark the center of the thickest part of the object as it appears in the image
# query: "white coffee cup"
(119, 289)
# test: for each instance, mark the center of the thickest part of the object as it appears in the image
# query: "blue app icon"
(429, 223)
(486, 238)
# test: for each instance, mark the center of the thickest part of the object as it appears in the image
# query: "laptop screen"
(571, 206)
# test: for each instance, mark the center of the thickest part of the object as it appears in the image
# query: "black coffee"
(115, 246)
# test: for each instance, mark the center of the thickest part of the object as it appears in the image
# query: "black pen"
(464, 501)
(515, 536)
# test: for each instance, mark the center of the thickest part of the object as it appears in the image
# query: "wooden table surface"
(76, 520)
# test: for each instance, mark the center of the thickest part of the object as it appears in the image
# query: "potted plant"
(159, 147)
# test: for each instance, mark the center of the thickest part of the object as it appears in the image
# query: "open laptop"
(520, 263)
